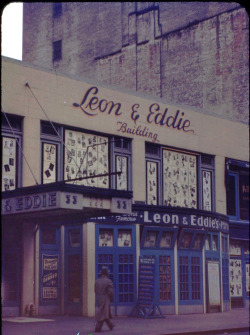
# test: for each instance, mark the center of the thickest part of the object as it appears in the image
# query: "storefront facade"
(94, 176)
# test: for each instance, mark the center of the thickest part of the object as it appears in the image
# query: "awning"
(239, 231)
(235, 162)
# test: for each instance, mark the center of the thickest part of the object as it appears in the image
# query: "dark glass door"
(73, 272)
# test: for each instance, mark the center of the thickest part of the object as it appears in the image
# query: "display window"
(179, 179)
(191, 240)
(124, 238)
(85, 159)
(50, 163)
(152, 182)
(116, 249)
(212, 243)
(172, 178)
(11, 135)
(237, 184)
(86, 155)
(122, 179)
(106, 238)
(150, 240)
(159, 238)
(74, 236)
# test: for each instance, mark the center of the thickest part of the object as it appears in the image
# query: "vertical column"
(37, 244)
(62, 269)
(204, 280)
(176, 281)
(31, 149)
(220, 189)
(28, 270)
(221, 274)
(139, 173)
(89, 261)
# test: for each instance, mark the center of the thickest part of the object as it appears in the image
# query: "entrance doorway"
(73, 271)
(116, 249)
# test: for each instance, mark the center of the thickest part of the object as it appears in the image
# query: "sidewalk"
(213, 323)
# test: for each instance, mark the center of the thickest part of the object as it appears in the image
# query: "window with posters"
(76, 156)
(172, 178)
(235, 269)
(235, 277)
(11, 130)
(88, 155)
(179, 179)
(49, 173)
(237, 183)
(9, 163)
(51, 152)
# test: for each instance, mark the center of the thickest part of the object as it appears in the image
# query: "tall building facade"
(94, 176)
(192, 53)
(143, 168)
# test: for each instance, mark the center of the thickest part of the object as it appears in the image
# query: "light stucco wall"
(56, 94)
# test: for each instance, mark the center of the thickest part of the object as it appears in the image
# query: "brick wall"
(189, 53)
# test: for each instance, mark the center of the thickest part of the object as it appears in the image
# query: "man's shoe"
(112, 327)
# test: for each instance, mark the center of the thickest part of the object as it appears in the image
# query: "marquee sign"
(170, 219)
(64, 200)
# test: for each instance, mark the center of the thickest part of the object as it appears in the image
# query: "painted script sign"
(94, 104)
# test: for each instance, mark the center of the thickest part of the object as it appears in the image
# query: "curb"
(212, 332)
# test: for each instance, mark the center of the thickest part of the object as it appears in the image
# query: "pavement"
(234, 321)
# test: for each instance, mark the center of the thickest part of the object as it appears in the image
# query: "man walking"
(104, 294)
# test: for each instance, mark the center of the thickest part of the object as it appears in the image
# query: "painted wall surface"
(77, 103)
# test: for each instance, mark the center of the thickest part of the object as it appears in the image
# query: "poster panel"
(152, 192)
(179, 179)
(214, 296)
(50, 266)
(235, 278)
(9, 166)
(207, 190)
(49, 163)
(122, 179)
